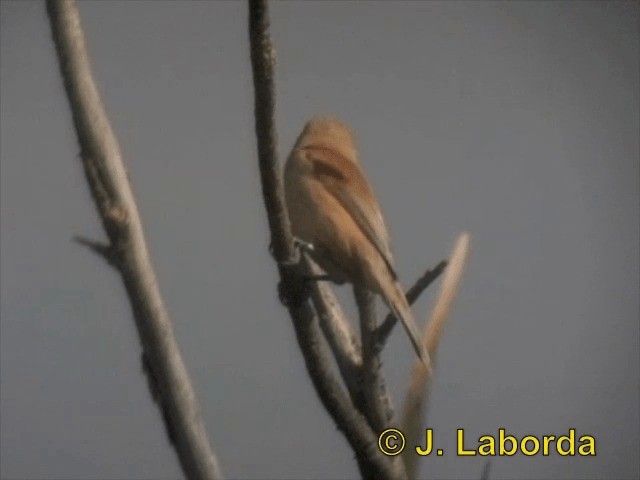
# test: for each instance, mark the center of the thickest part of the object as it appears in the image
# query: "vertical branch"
(344, 343)
(377, 401)
(372, 463)
(127, 250)
(263, 58)
(374, 399)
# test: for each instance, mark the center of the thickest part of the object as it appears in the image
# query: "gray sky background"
(517, 122)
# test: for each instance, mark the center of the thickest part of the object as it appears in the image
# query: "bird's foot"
(294, 288)
(302, 245)
(299, 245)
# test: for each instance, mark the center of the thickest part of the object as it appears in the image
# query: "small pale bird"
(332, 206)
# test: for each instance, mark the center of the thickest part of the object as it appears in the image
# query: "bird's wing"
(344, 180)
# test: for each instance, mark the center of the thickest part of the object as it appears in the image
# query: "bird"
(333, 209)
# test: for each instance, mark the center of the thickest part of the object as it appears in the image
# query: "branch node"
(117, 216)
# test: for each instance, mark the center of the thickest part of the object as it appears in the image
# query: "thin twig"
(101, 249)
(116, 205)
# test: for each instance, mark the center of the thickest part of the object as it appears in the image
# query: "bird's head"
(331, 133)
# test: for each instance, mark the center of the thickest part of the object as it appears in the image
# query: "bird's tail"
(400, 308)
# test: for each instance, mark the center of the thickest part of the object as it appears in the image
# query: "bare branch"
(417, 392)
(375, 400)
(112, 194)
(423, 282)
(348, 419)
(362, 439)
(263, 61)
(344, 343)
(377, 403)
